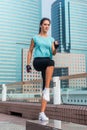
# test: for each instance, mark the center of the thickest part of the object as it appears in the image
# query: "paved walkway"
(8, 122)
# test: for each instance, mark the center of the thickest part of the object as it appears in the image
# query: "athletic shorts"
(41, 63)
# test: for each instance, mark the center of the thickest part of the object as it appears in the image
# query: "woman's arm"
(30, 51)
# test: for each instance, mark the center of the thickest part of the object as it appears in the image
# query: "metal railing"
(56, 86)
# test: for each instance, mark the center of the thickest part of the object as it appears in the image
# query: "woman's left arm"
(55, 45)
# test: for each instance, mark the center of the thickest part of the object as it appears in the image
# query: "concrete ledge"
(42, 125)
(53, 125)
(70, 113)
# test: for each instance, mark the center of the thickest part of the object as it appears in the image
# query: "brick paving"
(8, 122)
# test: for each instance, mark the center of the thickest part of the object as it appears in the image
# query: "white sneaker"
(44, 122)
(46, 94)
(43, 117)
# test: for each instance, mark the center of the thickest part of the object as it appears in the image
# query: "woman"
(44, 47)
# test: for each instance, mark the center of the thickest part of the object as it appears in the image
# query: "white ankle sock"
(41, 112)
(46, 94)
(47, 89)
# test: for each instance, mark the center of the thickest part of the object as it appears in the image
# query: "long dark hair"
(41, 22)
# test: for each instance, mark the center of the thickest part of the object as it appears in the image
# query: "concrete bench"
(53, 125)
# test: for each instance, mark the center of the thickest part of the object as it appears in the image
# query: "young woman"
(44, 47)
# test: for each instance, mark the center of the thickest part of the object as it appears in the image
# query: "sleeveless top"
(43, 46)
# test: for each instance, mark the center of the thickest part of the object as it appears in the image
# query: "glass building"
(19, 21)
(69, 25)
(58, 23)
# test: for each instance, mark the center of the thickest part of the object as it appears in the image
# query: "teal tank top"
(43, 46)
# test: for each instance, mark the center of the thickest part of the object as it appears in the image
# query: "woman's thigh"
(41, 64)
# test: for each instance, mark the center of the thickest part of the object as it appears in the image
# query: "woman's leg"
(48, 77)
(49, 73)
(46, 93)
(46, 66)
(43, 78)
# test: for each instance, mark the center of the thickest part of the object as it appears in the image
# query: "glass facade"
(58, 23)
(78, 26)
(70, 28)
(19, 21)
(69, 25)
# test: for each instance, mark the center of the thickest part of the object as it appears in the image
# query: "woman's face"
(45, 26)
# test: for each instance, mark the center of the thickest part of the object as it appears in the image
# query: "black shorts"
(41, 63)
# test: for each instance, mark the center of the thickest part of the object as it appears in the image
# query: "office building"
(19, 21)
(70, 64)
(69, 25)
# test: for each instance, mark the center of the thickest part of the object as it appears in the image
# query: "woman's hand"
(54, 47)
(28, 68)
(56, 44)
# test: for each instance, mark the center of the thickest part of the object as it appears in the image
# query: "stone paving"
(8, 122)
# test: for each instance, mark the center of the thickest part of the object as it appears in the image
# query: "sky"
(46, 10)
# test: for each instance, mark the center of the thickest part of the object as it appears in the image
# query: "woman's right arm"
(30, 51)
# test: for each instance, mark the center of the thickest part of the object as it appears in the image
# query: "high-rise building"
(19, 21)
(69, 25)
(58, 23)
(69, 64)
